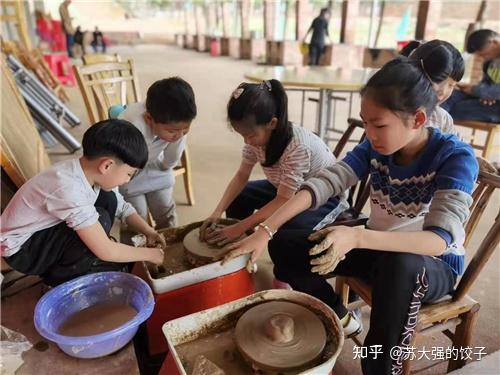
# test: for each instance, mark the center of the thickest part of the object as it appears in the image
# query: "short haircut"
(324, 10)
(118, 139)
(479, 38)
(171, 100)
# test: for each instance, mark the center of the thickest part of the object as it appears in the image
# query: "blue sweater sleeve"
(459, 169)
(444, 234)
(455, 179)
(359, 159)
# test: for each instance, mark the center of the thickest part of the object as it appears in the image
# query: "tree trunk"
(350, 10)
(380, 22)
(287, 14)
(224, 19)
(245, 18)
(268, 19)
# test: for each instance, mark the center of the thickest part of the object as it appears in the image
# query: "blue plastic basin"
(105, 287)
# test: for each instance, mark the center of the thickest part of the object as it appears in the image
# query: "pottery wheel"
(199, 253)
(280, 336)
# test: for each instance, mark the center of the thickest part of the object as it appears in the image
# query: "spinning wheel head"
(280, 335)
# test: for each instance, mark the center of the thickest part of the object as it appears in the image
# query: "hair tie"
(237, 93)
(425, 72)
(266, 84)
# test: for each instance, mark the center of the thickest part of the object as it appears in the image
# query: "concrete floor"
(215, 155)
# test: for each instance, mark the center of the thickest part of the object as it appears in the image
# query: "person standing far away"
(319, 28)
(98, 40)
(78, 42)
(67, 26)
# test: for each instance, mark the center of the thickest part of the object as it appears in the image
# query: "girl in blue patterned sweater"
(411, 249)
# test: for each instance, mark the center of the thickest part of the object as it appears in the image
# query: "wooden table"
(327, 80)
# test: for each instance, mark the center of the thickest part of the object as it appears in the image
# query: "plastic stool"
(61, 66)
(215, 47)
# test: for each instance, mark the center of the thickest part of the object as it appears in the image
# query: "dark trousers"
(260, 192)
(95, 46)
(70, 41)
(400, 283)
(315, 52)
(57, 254)
(462, 106)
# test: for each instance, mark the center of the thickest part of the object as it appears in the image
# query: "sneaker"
(354, 325)
(278, 284)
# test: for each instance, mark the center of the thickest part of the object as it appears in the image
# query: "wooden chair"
(105, 84)
(34, 61)
(457, 310)
(481, 136)
(97, 58)
(22, 152)
(22, 156)
(13, 13)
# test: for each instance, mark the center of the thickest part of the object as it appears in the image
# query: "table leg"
(350, 104)
(324, 112)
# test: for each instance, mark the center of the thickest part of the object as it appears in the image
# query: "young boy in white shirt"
(57, 224)
(164, 120)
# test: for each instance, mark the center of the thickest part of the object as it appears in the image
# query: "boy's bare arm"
(95, 238)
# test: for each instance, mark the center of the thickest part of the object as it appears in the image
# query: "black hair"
(479, 39)
(118, 139)
(401, 86)
(262, 102)
(323, 11)
(410, 47)
(441, 60)
(171, 100)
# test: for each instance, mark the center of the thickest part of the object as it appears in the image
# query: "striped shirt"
(442, 120)
(304, 157)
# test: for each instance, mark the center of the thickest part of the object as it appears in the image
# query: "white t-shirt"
(163, 156)
(442, 120)
(60, 193)
(304, 157)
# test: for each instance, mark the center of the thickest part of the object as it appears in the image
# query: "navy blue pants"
(400, 283)
(70, 41)
(462, 106)
(315, 52)
(260, 192)
(57, 254)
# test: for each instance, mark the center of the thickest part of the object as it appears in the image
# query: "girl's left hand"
(255, 244)
(335, 243)
(223, 236)
(154, 238)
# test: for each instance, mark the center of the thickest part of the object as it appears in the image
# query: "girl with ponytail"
(444, 67)
(288, 154)
(410, 251)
